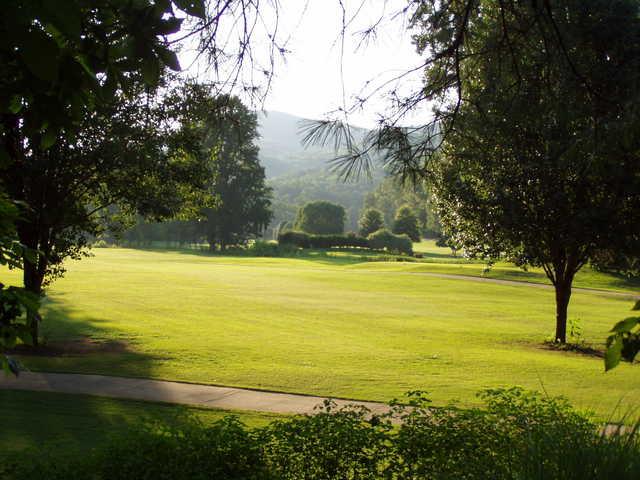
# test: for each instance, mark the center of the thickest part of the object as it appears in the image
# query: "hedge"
(385, 240)
(305, 240)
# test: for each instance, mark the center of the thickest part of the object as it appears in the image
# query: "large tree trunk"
(563, 294)
(33, 279)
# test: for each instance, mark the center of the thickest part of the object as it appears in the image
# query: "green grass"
(326, 326)
(80, 422)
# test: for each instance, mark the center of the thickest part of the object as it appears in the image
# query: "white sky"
(309, 83)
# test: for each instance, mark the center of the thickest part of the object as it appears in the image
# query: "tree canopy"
(406, 222)
(242, 199)
(370, 221)
(321, 217)
(541, 164)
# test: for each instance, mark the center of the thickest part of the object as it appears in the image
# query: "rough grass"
(326, 326)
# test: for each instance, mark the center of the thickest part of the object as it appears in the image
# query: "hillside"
(298, 174)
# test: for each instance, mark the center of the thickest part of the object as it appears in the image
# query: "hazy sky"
(309, 83)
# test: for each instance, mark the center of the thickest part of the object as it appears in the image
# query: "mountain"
(281, 149)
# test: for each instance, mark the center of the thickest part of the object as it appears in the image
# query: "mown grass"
(309, 325)
(63, 422)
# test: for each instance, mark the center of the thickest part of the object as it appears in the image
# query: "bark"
(33, 278)
(563, 294)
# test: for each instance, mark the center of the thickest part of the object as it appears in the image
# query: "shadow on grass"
(70, 423)
(333, 256)
(76, 422)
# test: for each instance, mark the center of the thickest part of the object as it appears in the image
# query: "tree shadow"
(333, 256)
(68, 422)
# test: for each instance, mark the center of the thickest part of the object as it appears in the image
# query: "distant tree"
(390, 195)
(370, 221)
(242, 199)
(321, 217)
(406, 222)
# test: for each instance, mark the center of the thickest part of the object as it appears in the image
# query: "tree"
(242, 200)
(61, 63)
(390, 195)
(137, 153)
(65, 66)
(541, 164)
(321, 218)
(16, 304)
(370, 221)
(406, 222)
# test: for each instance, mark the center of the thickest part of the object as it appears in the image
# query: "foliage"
(332, 443)
(134, 153)
(16, 304)
(406, 222)
(550, 188)
(292, 237)
(71, 74)
(304, 240)
(242, 200)
(617, 261)
(60, 59)
(390, 195)
(321, 218)
(624, 342)
(294, 190)
(517, 434)
(370, 221)
(385, 240)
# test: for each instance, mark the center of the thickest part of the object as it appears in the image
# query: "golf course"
(331, 324)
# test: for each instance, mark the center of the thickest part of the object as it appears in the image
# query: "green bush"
(406, 222)
(516, 435)
(297, 239)
(371, 221)
(305, 240)
(260, 248)
(321, 218)
(385, 240)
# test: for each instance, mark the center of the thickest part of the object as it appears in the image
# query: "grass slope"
(325, 326)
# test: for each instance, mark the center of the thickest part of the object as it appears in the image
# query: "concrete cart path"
(523, 283)
(227, 398)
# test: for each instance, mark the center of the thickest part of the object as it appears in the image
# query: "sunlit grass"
(310, 325)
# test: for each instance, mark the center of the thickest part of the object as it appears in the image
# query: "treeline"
(383, 194)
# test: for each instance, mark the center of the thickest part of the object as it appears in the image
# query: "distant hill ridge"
(281, 149)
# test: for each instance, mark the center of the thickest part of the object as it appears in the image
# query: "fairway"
(363, 330)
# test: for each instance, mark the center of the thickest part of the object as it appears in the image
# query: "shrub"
(291, 237)
(385, 240)
(406, 223)
(371, 221)
(332, 444)
(260, 248)
(516, 435)
(304, 240)
(321, 218)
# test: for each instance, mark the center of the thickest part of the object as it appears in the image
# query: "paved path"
(172, 392)
(521, 283)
